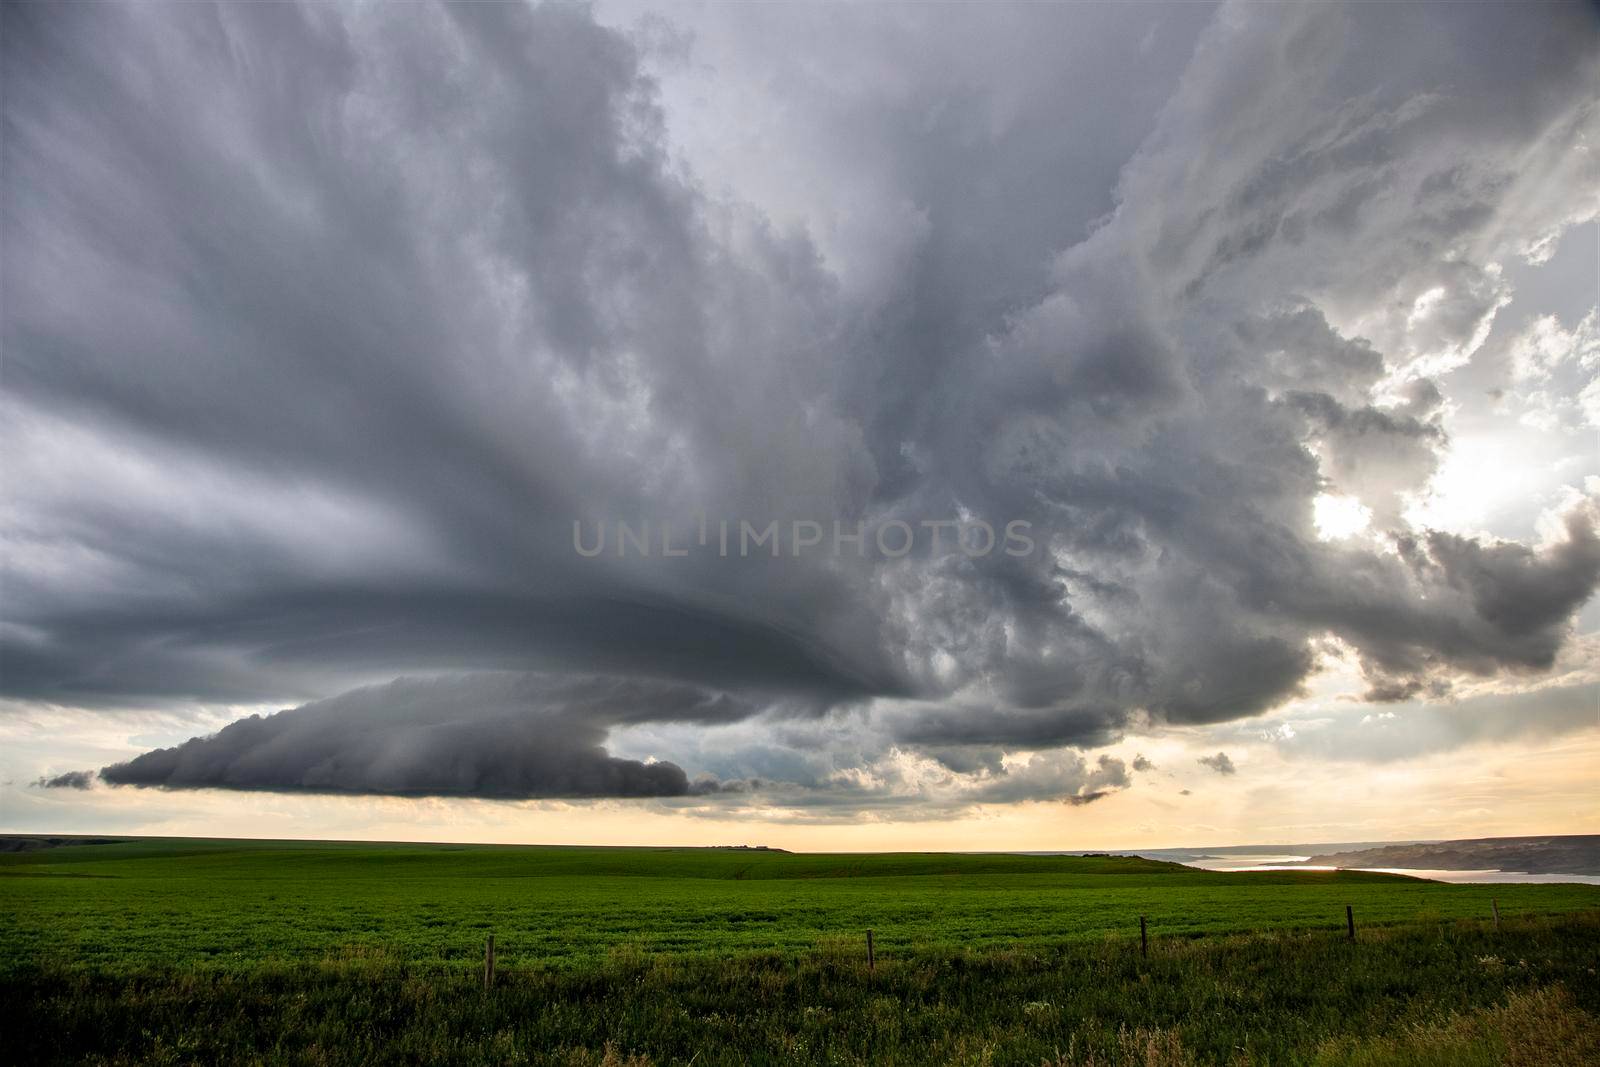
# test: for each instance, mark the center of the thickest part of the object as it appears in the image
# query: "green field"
(226, 951)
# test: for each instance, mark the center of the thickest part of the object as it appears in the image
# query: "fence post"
(1494, 903)
(1350, 921)
(871, 961)
(1144, 939)
(488, 964)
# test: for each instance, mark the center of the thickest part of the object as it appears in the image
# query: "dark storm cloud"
(1030, 728)
(1220, 763)
(68, 780)
(497, 736)
(324, 323)
(1520, 593)
(393, 299)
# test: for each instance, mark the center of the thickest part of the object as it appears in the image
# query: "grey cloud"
(68, 780)
(1142, 764)
(1525, 595)
(1489, 607)
(1219, 763)
(1423, 727)
(1382, 691)
(1371, 453)
(938, 727)
(1065, 777)
(968, 759)
(1300, 352)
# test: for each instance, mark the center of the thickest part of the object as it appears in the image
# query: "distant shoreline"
(1550, 854)
(1574, 854)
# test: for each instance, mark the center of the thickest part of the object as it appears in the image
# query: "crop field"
(230, 951)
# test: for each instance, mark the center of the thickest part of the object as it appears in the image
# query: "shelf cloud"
(515, 737)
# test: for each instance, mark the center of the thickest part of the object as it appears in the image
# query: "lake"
(1236, 862)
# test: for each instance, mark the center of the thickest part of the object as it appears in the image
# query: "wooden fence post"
(871, 961)
(1494, 903)
(1144, 939)
(1350, 921)
(488, 964)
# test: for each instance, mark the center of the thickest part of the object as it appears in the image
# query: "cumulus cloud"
(1064, 777)
(1219, 763)
(325, 324)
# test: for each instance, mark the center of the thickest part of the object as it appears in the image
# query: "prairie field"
(233, 904)
(295, 952)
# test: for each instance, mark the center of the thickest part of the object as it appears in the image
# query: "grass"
(222, 952)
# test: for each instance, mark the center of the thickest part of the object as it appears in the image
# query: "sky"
(848, 426)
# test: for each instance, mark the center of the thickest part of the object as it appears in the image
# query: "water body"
(1241, 859)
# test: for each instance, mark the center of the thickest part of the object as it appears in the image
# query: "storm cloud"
(510, 737)
(324, 324)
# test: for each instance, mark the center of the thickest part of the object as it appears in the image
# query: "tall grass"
(1445, 992)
